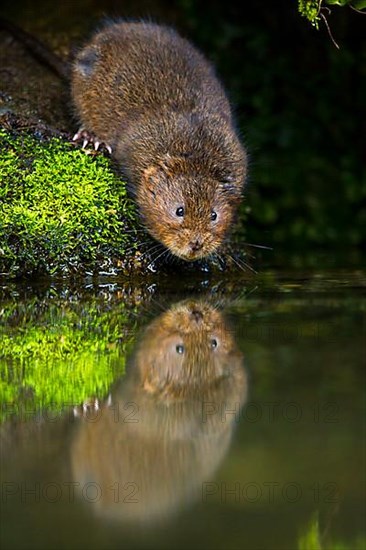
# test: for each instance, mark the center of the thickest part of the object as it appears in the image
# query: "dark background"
(299, 103)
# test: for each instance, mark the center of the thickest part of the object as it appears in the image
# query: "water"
(227, 415)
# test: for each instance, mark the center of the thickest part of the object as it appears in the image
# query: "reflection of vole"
(165, 433)
(187, 349)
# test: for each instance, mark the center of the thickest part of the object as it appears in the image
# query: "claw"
(89, 138)
(79, 134)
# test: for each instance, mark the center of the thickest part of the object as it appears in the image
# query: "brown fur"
(155, 100)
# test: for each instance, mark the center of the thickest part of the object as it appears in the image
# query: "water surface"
(171, 418)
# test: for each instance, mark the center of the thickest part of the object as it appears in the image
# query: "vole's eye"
(179, 212)
(213, 215)
(213, 343)
(179, 349)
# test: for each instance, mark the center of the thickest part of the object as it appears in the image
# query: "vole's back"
(129, 69)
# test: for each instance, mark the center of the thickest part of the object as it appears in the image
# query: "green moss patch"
(312, 539)
(60, 209)
(57, 354)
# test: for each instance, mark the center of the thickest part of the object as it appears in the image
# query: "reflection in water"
(164, 431)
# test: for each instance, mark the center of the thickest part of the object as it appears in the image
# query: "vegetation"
(57, 353)
(60, 209)
(299, 102)
(312, 9)
(312, 540)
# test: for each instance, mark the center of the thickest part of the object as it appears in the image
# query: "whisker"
(250, 255)
(133, 247)
(241, 263)
(219, 257)
(135, 231)
(130, 249)
(154, 260)
(136, 248)
(150, 251)
(258, 246)
(154, 246)
(158, 305)
(251, 290)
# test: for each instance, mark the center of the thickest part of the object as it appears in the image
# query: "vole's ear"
(150, 179)
(231, 190)
(85, 61)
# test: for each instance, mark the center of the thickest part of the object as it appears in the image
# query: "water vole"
(155, 101)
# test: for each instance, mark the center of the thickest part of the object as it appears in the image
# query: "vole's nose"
(195, 245)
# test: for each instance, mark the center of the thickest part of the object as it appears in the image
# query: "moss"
(64, 211)
(55, 354)
(312, 540)
(311, 8)
(60, 209)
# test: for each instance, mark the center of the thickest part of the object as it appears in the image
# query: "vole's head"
(188, 212)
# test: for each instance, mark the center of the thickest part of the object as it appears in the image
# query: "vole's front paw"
(88, 407)
(90, 138)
